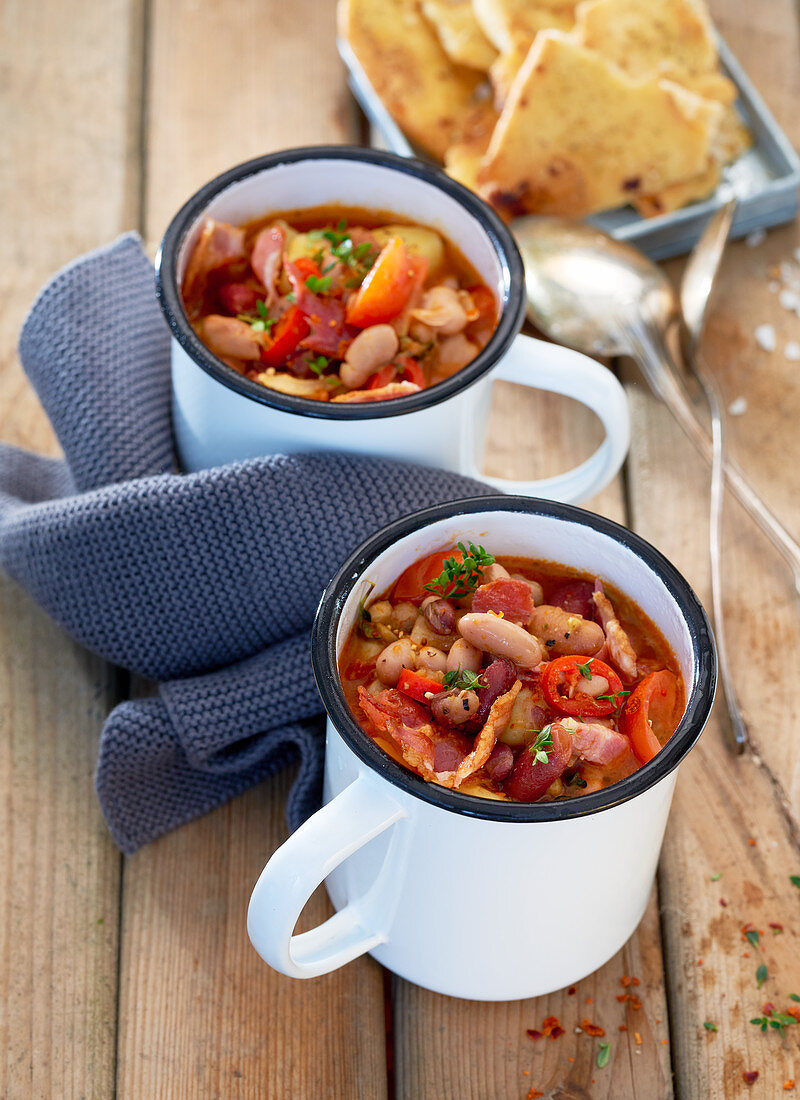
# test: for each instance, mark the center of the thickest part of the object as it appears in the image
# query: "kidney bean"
(575, 597)
(500, 763)
(498, 678)
(529, 778)
(441, 615)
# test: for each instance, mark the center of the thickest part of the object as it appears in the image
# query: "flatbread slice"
(402, 57)
(460, 33)
(512, 26)
(578, 135)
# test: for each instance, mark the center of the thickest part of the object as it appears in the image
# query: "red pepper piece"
(416, 685)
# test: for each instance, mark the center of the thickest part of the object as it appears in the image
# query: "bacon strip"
(416, 745)
(507, 597)
(619, 645)
(329, 334)
(266, 258)
(218, 244)
(393, 389)
(593, 742)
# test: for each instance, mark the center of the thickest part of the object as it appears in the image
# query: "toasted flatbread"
(511, 26)
(463, 158)
(640, 35)
(460, 33)
(402, 57)
(732, 139)
(578, 135)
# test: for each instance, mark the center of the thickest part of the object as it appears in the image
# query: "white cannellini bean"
(380, 611)
(501, 638)
(372, 349)
(464, 656)
(494, 572)
(431, 659)
(230, 336)
(397, 656)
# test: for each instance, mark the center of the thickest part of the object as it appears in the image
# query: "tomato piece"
(485, 302)
(306, 266)
(412, 371)
(563, 672)
(386, 288)
(416, 685)
(381, 377)
(651, 704)
(411, 583)
(287, 334)
(530, 778)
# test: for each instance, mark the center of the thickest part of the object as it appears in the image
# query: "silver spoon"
(601, 296)
(697, 284)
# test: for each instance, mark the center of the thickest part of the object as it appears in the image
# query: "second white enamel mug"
(220, 416)
(490, 900)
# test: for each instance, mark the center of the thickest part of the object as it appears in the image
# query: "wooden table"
(134, 977)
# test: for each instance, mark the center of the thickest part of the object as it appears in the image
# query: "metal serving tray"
(765, 179)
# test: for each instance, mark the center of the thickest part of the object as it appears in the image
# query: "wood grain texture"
(68, 98)
(200, 1013)
(728, 819)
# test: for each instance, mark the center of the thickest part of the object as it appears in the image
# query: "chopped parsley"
(463, 680)
(319, 285)
(263, 322)
(709, 1026)
(542, 746)
(761, 975)
(461, 578)
(752, 937)
(603, 1054)
(795, 880)
(716, 877)
(319, 364)
(291, 297)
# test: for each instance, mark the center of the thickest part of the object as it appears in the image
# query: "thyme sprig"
(461, 578)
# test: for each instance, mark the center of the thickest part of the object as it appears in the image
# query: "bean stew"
(510, 678)
(336, 304)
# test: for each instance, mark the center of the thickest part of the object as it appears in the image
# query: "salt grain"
(754, 239)
(788, 299)
(765, 337)
(792, 351)
(738, 407)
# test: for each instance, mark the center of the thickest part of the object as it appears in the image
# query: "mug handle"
(544, 366)
(355, 816)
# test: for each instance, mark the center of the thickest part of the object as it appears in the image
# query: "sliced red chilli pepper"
(561, 677)
(288, 333)
(381, 378)
(412, 371)
(417, 686)
(653, 702)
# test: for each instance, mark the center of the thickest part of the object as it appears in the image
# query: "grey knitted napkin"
(207, 582)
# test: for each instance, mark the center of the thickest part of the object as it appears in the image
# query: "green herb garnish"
(716, 877)
(603, 1054)
(319, 285)
(463, 680)
(761, 975)
(794, 997)
(319, 364)
(585, 671)
(291, 297)
(795, 880)
(707, 1024)
(543, 744)
(613, 698)
(263, 322)
(577, 780)
(461, 578)
(752, 937)
(778, 1020)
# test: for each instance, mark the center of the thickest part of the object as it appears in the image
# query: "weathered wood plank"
(67, 183)
(200, 1014)
(727, 819)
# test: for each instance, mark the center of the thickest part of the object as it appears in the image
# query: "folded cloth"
(208, 581)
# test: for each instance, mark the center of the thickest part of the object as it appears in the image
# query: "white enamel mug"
(490, 900)
(220, 416)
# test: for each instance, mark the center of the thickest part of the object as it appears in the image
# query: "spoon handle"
(661, 373)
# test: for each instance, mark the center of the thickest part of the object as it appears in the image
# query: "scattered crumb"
(751, 841)
(663, 1042)
(638, 1038)
(765, 337)
(754, 239)
(738, 407)
(792, 351)
(787, 299)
